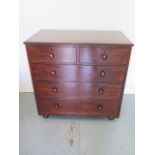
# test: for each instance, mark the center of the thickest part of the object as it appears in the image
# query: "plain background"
(74, 14)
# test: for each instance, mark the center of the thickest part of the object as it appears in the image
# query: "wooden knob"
(101, 91)
(51, 56)
(102, 73)
(56, 106)
(54, 90)
(99, 107)
(53, 72)
(104, 56)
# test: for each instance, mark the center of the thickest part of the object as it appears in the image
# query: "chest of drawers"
(78, 72)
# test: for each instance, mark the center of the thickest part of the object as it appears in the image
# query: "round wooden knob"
(54, 90)
(102, 73)
(101, 91)
(56, 106)
(51, 56)
(99, 107)
(104, 56)
(53, 72)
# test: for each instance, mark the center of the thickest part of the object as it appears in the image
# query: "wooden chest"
(78, 72)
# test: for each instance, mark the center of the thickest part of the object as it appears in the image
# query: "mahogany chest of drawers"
(78, 72)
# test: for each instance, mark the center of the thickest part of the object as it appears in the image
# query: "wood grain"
(78, 72)
(52, 54)
(104, 55)
(50, 106)
(79, 37)
(80, 90)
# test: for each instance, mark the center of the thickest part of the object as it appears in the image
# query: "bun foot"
(45, 116)
(111, 118)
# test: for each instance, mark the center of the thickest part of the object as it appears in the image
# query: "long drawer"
(109, 74)
(104, 55)
(82, 90)
(48, 106)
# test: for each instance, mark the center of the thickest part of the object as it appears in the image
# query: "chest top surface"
(79, 37)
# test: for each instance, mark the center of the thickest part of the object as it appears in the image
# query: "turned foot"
(111, 118)
(45, 116)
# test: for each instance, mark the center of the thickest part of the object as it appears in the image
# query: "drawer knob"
(102, 73)
(51, 56)
(53, 72)
(56, 106)
(54, 90)
(101, 91)
(100, 107)
(104, 56)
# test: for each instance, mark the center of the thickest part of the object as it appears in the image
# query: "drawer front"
(78, 73)
(52, 54)
(104, 55)
(83, 90)
(47, 105)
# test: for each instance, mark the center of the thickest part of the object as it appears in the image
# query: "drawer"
(104, 55)
(48, 106)
(52, 54)
(109, 74)
(82, 90)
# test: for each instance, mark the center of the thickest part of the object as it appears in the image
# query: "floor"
(75, 135)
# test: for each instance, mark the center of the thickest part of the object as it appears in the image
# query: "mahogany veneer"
(78, 72)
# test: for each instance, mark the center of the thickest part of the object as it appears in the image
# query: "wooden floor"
(75, 135)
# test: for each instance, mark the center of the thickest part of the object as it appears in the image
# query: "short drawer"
(109, 74)
(82, 90)
(104, 55)
(52, 54)
(49, 106)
